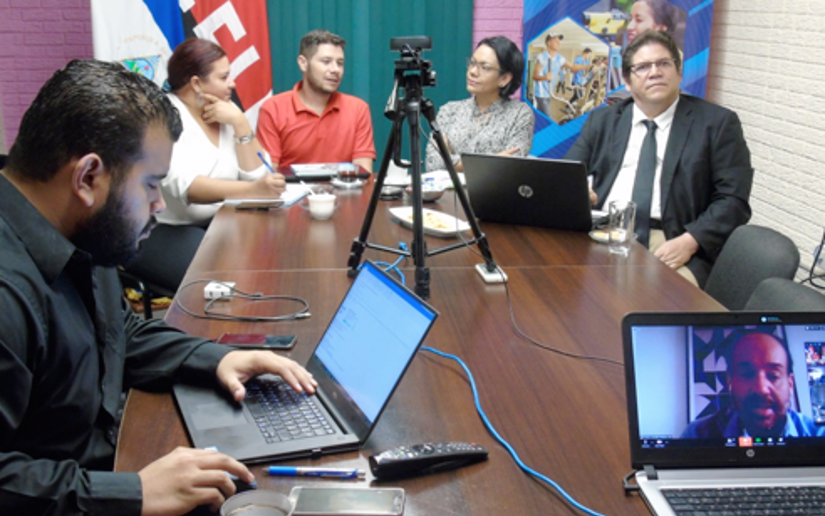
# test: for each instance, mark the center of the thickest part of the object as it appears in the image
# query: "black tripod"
(411, 107)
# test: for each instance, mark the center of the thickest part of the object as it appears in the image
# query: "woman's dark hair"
(664, 13)
(192, 57)
(510, 60)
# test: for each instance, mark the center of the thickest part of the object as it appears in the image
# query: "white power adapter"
(218, 289)
(495, 276)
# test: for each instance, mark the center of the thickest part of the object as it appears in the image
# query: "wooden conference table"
(565, 417)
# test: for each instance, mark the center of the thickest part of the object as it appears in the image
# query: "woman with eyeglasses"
(489, 122)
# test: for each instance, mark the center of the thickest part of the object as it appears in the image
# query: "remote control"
(425, 458)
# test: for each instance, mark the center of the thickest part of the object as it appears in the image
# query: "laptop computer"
(705, 394)
(547, 193)
(361, 358)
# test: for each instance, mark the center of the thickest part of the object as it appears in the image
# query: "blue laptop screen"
(372, 339)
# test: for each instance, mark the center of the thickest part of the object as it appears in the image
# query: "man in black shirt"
(79, 193)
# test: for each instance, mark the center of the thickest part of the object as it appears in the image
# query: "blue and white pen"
(340, 473)
(266, 163)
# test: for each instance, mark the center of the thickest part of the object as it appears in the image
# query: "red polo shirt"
(292, 133)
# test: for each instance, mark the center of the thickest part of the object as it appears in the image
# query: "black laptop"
(727, 407)
(547, 193)
(358, 363)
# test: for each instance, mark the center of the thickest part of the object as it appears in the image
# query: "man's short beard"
(109, 236)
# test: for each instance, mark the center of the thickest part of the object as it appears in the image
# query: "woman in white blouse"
(216, 158)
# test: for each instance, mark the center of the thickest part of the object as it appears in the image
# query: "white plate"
(436, 223)
(600, 235)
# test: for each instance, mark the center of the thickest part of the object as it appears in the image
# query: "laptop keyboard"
(283, 414)
(748, 501)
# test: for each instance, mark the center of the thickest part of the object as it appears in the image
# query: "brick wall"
(36, 38)
(498, 18)
(766, 63)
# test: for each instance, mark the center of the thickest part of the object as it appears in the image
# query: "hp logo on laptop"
(525, 191)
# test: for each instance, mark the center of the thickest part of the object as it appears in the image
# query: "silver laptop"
(358, 363)
(547, 193)
(725, 400)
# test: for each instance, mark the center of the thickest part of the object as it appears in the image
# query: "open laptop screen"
(717, 389)
(369, 342)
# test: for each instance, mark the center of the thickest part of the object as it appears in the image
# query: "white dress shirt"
(622, 188)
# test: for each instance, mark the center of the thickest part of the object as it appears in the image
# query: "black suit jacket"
(706, 175)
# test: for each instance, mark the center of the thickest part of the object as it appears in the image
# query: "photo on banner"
(573, 53)
(141, 34)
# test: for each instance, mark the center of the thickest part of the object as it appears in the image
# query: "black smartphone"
(258, 341)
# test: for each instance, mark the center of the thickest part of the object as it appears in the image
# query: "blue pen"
(266, 163)
(341, 473)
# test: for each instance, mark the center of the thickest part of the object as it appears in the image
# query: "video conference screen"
(743, 386)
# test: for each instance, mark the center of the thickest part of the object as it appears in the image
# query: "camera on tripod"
(410, 48)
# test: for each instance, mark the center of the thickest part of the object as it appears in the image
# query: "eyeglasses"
(482, 67)
(644, 69)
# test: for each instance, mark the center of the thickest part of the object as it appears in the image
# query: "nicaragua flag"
(140, 34)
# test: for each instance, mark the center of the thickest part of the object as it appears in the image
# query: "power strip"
(218, 289)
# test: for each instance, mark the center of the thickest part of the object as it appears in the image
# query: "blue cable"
(504, 443)
(393, 267)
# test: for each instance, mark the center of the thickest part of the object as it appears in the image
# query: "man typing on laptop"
(80, 192)
(761, 384)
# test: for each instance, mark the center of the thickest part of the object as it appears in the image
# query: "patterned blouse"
(505, 125)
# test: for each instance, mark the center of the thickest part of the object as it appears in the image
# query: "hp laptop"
(722, 401)
(358, 363)
(528, 191)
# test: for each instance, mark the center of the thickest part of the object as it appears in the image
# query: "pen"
(342, 473)
(266, 163)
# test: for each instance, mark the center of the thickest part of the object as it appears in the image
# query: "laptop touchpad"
(207, 416)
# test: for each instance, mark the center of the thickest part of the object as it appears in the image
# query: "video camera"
(410, 48)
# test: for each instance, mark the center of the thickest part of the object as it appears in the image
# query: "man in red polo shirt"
(314, 122)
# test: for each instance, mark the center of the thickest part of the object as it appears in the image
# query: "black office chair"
(751, 254)
(780, 294)
(162, 263)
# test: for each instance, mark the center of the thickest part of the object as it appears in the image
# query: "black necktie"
(643, 186)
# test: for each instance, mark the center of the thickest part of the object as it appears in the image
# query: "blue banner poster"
(580, 43)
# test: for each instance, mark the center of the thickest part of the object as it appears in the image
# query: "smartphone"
(332, 501)
(258, 340)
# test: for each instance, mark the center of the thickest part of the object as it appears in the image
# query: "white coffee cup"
(321, 205)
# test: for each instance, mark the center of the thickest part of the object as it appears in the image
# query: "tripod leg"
(359, 244)
(419, 245)
(435, 131)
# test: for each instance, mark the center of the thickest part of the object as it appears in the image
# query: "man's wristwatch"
(245, 139)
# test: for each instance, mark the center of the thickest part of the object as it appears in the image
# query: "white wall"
(768, 64)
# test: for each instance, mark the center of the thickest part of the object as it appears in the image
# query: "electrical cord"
(627, 486)
(812, 276)
(516, 327)
(504, 443)
(239, 294)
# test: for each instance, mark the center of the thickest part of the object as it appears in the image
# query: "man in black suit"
(703, 174)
